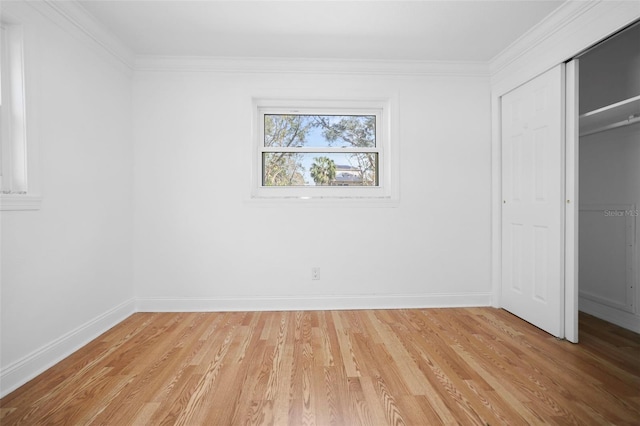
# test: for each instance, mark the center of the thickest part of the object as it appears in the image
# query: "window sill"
(10, 202)
(323, 201)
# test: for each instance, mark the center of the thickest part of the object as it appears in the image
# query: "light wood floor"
(413, 367)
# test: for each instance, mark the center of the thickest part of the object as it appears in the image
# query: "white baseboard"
(312, 303)
(615, 316)
(25, 369)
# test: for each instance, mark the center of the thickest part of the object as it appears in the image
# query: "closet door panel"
(533, 205)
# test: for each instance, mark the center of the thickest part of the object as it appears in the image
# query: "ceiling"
(374, 30)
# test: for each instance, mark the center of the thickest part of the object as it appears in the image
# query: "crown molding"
(73, 18)
(309, 66)
(543, 30)
(573, 27)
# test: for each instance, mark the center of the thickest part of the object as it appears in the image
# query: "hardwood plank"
(420, 366)
(344, 344)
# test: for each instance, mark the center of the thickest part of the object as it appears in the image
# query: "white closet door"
(533, 201)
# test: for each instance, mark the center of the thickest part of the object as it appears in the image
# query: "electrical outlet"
(315, 273)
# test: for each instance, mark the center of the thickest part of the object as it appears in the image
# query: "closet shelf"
(611, 116)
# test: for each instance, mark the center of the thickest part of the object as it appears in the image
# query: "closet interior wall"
(609, 170)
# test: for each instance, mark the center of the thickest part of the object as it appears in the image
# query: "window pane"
(320, 169)
(336, 131)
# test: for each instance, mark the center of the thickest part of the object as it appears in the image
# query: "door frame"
(550, 44)
(572, 205)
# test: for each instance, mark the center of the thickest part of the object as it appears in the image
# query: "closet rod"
(629, 121)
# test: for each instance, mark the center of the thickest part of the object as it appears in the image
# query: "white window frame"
(18, 181)
(384, 192)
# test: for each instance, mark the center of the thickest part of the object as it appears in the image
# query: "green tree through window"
(285, 131)
(323, 170)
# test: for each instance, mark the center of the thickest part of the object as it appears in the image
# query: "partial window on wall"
(14, 184)
(330, 150)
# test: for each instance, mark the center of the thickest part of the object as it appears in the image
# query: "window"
(322, 150)
(14, 183)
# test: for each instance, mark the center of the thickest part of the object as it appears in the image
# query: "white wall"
(67, 268)
(199, 245)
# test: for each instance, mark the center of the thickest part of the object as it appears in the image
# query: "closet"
(609, 179)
